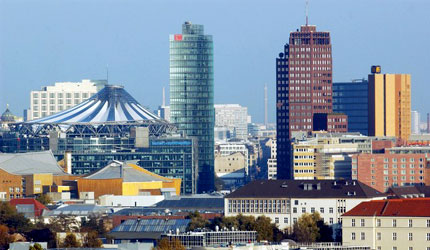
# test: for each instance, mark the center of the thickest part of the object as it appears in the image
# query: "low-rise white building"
(397, 224)
(271, 162)
(285, 201)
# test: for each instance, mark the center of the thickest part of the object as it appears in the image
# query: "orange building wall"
(8, 181)
(100, 187)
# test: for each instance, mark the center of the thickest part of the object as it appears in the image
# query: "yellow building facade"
(390, 105)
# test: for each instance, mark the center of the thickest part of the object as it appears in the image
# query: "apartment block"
(383, 170)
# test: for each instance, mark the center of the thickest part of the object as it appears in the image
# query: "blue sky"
(42, 42)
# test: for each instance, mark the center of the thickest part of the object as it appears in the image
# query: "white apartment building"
(234, 117)
(393, 224)
(285, 201)
(63, 95)
(271, 162)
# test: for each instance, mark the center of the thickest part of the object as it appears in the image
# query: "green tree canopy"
(197, 221)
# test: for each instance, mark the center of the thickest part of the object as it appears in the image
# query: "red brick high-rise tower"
(304, 88)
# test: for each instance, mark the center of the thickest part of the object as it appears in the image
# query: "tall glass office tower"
(191, 94)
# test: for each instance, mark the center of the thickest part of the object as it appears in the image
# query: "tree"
(306, 229)
(70, 241)
(5, 238)
(166, 244)
(16, 222)
(197, 221)
(311, 228)
(264, 228)
(91, 240)
(44, 199)
(36, 246)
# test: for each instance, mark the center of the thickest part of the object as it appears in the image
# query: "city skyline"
(251, 42)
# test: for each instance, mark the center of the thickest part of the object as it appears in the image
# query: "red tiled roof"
(415, 207)
(38, 207)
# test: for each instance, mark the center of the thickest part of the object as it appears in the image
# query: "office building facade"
(390, 105)
(63, 95)
(234, 118)
(192, 94)
(351, 98)
(303, 88)
(415, 122)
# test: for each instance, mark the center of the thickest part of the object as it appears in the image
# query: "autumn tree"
(44, 199)
(311, 228)
(166, 244)
(197, 221)
(70, 241)
(5, 238)
(264, 228)
(16, 222)
(91, 240)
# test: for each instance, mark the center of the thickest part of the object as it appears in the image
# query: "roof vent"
(334, 183)
(284, 185)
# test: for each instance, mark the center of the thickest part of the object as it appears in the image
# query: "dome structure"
(111, 111)
(111, 104)
(7, 116)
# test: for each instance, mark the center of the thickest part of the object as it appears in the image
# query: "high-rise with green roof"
(192, 94)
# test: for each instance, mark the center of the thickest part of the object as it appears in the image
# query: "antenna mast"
(265, 105)
(107, 73)
(307, 11)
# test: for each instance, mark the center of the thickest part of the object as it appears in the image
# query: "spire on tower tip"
(307, 10)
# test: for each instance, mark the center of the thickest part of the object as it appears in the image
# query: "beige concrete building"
(397, 224)
(390, 105)
(63, 95)
(231, 168)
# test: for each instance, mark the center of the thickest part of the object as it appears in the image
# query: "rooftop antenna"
(164, 98)
(107, 73)
(307, 10)
(265, 105)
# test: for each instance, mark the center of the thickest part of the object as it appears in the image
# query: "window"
(353, 223)
(331, 220)
(378, 235)
(394, 223)
(428, 223)
(294, 220)
(286, 220)
(330, 210)
(394, 248)
(410, 223)
(428, 236)
(410, 236)
(321, 210)
(362, 236)
(352, 236)
(303, 210)
(296, 202)
(378, 222)
(294, 210)
(276, 220)
(394, 236)
(312, 210)
(362, 224)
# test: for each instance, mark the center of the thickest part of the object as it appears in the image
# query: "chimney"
(428, 123)
(68, 162)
